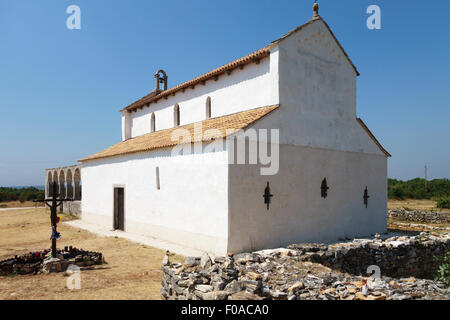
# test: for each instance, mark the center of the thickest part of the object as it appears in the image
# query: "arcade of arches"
(68, 183)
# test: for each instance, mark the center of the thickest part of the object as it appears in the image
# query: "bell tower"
(160, 78)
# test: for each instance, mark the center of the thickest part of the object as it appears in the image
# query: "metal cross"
(366, 197)
(55, 203)
(267, 195)
(324, 188)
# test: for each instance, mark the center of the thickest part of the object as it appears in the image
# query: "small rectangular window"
(158, 186)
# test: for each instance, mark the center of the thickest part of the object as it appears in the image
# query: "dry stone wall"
(395, 257)
(419, 216)
(313, 272)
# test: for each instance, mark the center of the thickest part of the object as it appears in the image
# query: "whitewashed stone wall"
(254, 86)
(191, 207)
(298, 213)
(318, 94)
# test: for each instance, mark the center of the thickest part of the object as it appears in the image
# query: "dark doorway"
(119, 217)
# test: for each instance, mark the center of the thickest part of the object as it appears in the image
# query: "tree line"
(20, 194)
(437, 189)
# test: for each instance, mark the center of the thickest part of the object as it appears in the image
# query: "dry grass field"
(132, 271)
(18, 204)
(413, 204)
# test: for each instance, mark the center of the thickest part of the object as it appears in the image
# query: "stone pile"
(40, 261)
(205, 278)
(60, 264)
(295, 274)
(419, 216)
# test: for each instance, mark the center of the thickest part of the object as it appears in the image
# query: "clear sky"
(61, 90)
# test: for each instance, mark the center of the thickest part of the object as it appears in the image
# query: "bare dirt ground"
(133, 271)
(413, 204)
(18, 204)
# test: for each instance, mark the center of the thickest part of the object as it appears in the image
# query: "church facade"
(175, 174)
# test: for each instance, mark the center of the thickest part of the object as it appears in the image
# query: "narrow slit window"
(152, 123)
(158, 185)
(176, 115)
(208, 108)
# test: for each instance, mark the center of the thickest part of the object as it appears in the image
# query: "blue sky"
(61, 90)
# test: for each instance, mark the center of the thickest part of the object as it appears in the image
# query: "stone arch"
(208, 108)
(77, 182)
(176, 115)
(55, 179)
(69, 183)
(49, 184)
(62, 184)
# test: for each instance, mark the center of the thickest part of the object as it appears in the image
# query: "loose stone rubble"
(419, 216)
(37, 262)
(294, 274)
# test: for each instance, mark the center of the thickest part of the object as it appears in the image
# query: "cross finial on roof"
(315, 10)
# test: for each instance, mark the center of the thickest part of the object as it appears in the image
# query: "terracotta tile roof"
(223, 126)
(155, 96)
(363, 125)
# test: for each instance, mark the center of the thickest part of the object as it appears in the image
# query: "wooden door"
(119, 217)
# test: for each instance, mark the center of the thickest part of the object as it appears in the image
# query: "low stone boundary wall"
(410, 227)
(36, 262)
(396, 257)
(419, 216)
(313, 271)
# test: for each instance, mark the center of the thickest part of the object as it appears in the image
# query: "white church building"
(324, 176)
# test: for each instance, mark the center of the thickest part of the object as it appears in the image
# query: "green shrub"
(444, 203)
(20, 194)
(443, 273)
(418, 189)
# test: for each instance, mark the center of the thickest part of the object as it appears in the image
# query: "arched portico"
(68, 185)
